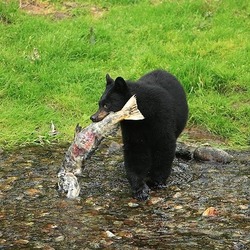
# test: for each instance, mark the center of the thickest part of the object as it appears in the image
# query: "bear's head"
(113, 99)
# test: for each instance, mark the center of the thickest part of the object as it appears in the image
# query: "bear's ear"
(121, 85)
(109, 80)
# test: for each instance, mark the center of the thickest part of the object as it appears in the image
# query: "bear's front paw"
(142, 194)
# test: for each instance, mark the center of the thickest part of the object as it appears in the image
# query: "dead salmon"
(86, 141)
(68, 184)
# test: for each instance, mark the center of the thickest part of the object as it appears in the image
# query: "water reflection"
(34, 216)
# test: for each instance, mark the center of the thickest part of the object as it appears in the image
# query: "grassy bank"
(54, 57)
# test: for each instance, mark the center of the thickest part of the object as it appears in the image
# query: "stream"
(34, 216)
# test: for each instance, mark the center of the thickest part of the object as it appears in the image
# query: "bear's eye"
(105, 106)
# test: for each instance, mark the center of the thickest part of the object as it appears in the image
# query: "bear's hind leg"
(162, 159)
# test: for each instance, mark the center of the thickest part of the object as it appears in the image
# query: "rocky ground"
(205, 206)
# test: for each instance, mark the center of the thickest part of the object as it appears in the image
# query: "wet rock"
(178, 207)
(44, 214)
(209, 212)
(243, 207)
(98, 208)
(106, 243)
(180, 174)
(118, 223)
(33, 192)
(21, 242)
(49, 227)
(90, 201)
(132, 204)
(7, 183)
(94, 245)
(239, 246)
(154, 200)
(160, 213)
(59, 238)
(125, 234)
(109, 234)
(30, 224)
(177, 195)
(114, 147)
(212, 154)
(130, 222)
(46, 247)
(184, 151)
(5, 187)
(2, 241)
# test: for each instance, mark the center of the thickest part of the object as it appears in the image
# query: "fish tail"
(131, 109)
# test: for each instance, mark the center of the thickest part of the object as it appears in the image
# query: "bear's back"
(162, 79)
(168, 85)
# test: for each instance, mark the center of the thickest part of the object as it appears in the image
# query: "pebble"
(238, 246)
(2, 241)
(106, 243)
(98, 208)
(209, 212)
(109, 234)
(21, 242)
(184, 151)
(154, 200)
(94, 245)
(114, 147)
(125, 234)
(32, 192)
(132, 204)
(20, 197)
(7, 184)
(178, 207)
(90, 201)
(118, 223)
(59, 238)
(177, 195)
(44, 246)
(243, 207)
(31, 223)
(49, 227)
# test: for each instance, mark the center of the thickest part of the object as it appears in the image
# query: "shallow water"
(34, 216)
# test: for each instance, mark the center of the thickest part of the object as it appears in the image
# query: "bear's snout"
(94, 118)
(99, 115)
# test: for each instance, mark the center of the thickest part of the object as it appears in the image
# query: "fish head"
(68, 183)
(113, 99)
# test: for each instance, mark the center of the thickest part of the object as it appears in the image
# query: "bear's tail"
(131, 110)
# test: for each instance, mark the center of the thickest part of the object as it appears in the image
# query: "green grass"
(204, 43)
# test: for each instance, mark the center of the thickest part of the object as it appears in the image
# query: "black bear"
(149, 144)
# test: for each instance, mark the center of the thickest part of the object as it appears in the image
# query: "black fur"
(149, 145)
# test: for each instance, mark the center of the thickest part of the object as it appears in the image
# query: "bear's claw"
(142, 194)
(156, 185)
